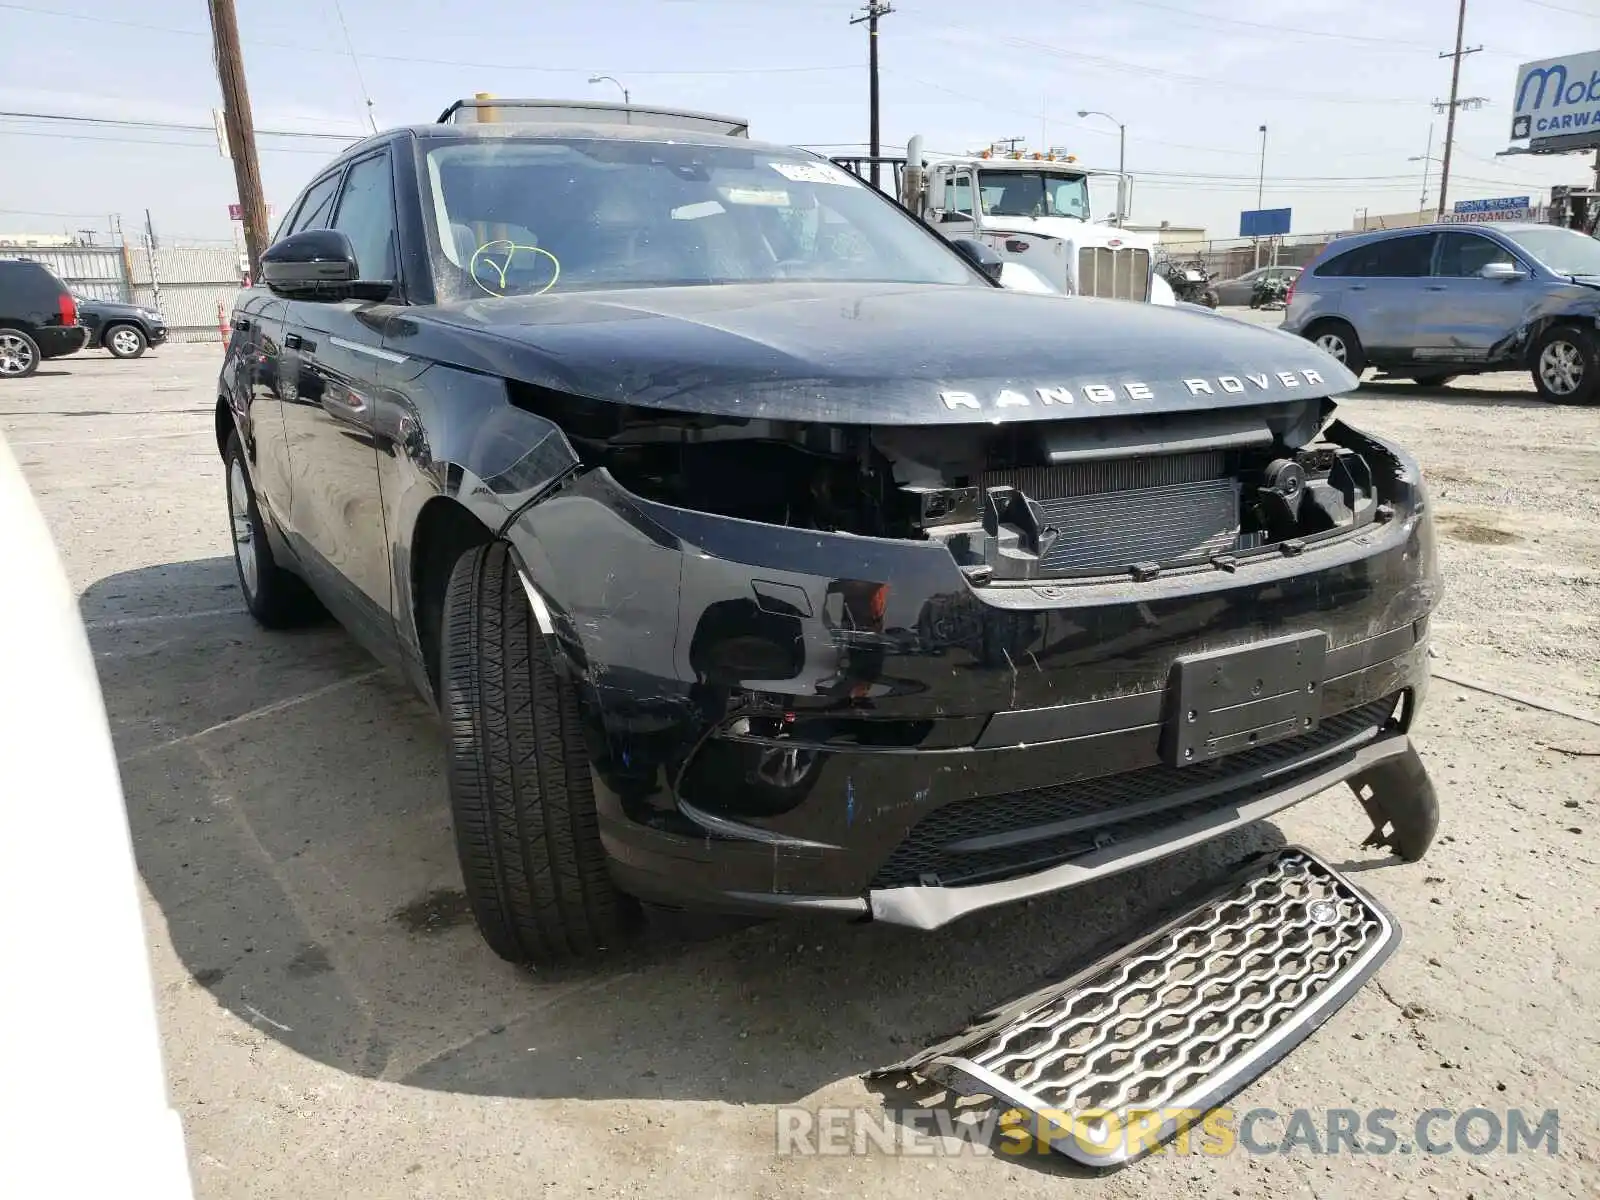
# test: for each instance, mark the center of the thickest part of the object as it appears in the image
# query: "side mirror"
(318, 264)
(951, 214)
(1503, 271)
(1124, 197)
(981, 256)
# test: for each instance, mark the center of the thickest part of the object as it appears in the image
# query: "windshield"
(1564, 251)
(1034, 194)
(524, 216)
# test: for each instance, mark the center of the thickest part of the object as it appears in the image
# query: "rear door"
(335, 509)
(1464, 315)
(1383, 291)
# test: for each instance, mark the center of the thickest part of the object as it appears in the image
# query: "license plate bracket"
(1228, 700)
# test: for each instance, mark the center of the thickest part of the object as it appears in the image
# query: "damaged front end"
(908, 671)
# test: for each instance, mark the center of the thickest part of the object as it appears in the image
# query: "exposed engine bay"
(1079, 499)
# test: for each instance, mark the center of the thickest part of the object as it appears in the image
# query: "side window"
(1403, 257)
(1342, 264)
(316, 207)
(958, 194)
(1463, 255)
(366, 216)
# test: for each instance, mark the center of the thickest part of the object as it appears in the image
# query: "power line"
(1210, 81)
(356, 63)
(435, 62)
(131, 123)
(210, 147)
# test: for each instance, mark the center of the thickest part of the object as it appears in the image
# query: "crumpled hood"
(880, 354)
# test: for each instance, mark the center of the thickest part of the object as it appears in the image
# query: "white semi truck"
(1029, 207)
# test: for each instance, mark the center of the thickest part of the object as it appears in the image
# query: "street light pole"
(1427, 161)
(1122, 156)
(612, 79)
(1261, 186)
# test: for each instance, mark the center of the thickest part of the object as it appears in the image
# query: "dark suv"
(762, 554)
(125, 330)
(38, 317)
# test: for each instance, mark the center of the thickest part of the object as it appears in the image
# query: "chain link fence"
(1228, 258)
(192, 283)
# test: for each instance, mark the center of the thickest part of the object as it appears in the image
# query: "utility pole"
(241, 129)
(1464, 102)
(870, 15)
(150, 247)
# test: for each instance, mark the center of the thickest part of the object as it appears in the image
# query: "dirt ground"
(334, 1027)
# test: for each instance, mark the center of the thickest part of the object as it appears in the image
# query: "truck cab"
(1032, 208)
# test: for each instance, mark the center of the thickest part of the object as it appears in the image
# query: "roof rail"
(588, 112)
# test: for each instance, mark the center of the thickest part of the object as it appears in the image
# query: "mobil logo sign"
(1557, 97)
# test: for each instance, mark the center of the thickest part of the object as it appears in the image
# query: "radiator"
(1169, 509)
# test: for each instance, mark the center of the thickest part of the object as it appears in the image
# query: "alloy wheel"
(1561, 368)
(1334, 345)
(125, 341)
(16, 356)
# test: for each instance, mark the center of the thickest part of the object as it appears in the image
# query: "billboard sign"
(1500, 208)
(1264, 222)
(1558, 99)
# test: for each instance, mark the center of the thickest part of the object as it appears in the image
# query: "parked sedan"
(1237, 291)
(126, 330)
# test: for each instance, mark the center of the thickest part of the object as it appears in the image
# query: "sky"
(1344, 87)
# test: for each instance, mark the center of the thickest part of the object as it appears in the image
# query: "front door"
(336, 510)
(1465, 315)
(955, 201)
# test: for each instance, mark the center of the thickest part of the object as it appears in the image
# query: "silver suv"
(1437, 301)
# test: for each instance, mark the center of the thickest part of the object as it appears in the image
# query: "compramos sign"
(1558, 99)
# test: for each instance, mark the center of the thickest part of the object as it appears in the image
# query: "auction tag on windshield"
(812, 173)
(755, 195)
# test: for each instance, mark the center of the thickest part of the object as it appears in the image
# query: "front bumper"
(786, 719)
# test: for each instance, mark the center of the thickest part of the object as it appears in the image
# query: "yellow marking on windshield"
(500, 268)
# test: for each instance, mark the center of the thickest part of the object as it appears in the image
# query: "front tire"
(124, 341)
(1340, 341)
(19, 354)
(527, 833)
(276, 598)
(1566, 365)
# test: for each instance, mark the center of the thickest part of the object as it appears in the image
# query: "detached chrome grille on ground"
(1177, 1021)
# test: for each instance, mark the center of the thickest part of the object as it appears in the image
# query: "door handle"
(1358, 287)
(295, 342)
(1435, 287)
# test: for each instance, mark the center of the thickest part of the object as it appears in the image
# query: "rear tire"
(276, 598)
(124, 340)
(19, 354)
(1566, 365)
(527, 833)
(1341, 342)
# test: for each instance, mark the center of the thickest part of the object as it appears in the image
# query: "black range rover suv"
(761, 553)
